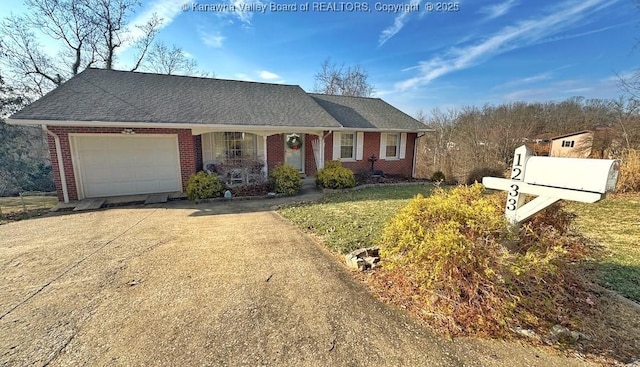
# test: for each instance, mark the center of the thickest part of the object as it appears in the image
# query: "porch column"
(265, 169)
(318, 151)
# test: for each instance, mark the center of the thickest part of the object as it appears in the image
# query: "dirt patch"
(191, 285)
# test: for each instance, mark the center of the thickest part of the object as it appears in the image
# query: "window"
(234, 146)
(347, 146)
(567, 143)
(393, 141)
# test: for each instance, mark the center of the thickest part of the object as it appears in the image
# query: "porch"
(246, 157)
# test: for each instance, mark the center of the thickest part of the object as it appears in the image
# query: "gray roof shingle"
(367, 113)
(118, 96)
(98, 95)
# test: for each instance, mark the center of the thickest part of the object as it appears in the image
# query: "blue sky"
(476, 53)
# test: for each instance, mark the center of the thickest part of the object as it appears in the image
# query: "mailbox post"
(553, 179)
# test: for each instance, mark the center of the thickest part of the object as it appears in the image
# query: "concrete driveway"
(188, 285)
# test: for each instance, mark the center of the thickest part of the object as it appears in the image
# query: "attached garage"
(120, 164)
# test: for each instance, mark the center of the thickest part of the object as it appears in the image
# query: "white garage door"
(111, 165)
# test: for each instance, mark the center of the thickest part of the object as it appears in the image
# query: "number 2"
(517, 173)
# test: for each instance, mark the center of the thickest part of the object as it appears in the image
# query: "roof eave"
(167, 125)
(174, 125)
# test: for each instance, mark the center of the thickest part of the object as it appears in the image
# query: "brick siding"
(197, 146)
(402, 167)
(189, 157)
(370, 147)
(275, 151)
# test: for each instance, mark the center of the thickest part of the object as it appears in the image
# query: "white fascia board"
(202, 127)
(370, 129)
(162, 125)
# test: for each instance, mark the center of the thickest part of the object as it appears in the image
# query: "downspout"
(415, 154)
(63, 177)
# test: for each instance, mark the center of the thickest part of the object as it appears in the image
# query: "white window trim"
(402, 148)
(397, 155)
(358, 146)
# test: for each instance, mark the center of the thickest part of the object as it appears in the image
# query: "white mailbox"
(592, 175)
(552, 179)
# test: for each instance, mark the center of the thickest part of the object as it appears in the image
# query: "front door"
(294, 150)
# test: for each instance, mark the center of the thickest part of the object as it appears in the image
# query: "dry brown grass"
(629, 179)
(18, 208)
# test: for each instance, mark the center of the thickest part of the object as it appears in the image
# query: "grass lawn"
(354, 219)
(12, 207)
(349, 220)
(615, 224)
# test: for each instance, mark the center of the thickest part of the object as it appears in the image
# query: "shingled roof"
(103, 96)
(366, 113)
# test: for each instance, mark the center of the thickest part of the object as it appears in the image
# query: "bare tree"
(111, 19)
(338, 80)
(163, 59)
(627, 120)
(87, 32)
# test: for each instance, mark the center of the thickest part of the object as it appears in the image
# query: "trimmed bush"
(437, 176)
(204, 186)
(477, 174)
(286, 180)
(335, 176)
(629, 177)
(469, 274)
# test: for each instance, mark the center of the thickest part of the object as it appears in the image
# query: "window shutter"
(359, 146)
(383, 146)
(403, 145)
(206, 140)
(336, 146)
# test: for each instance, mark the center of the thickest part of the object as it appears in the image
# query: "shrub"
(477, 174)
(286, 180)
(204, 186)
(335, 176)
(257, 189)
(437, 176)
(471, 275)
(629, 177)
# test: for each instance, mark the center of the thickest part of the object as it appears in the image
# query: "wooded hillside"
(485, 137)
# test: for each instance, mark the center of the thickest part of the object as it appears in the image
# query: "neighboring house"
(118, 133)
(540, 145)
(583, 144)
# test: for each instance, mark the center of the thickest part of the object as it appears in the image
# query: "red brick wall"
(188, 155)
(275, 154)
(275, 151)
(197, 146)
(372, 146)
(309, 158)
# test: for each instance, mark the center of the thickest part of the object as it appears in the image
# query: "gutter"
(415, 154)
(63, 177)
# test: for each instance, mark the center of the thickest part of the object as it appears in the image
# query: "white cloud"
(497, 10)
(562, 89)
(245, 77)
(211, 39)
(168, 10)
(527, 80)
(267, 75)
(398, 23)
(522, 33)
(244, 9)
